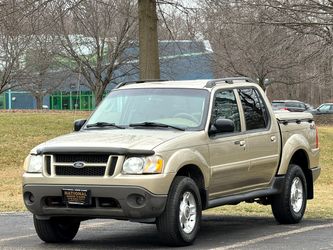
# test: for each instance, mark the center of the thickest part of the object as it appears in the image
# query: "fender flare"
(294, 143)
(185, 157)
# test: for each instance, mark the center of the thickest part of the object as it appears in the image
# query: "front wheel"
(179, 224)
(289, 206)
(56, 230)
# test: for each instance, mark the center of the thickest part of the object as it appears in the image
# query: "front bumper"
(118, 202)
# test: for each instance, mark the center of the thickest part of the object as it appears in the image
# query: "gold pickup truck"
(163, 151)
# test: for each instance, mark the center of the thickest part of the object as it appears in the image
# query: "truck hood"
(118, 141)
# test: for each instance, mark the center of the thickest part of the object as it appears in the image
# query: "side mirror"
(222, 126)
(78, 124)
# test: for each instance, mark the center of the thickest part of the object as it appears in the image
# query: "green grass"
(20, 132)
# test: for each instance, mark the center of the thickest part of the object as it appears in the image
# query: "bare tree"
(179, 20)
(312, 19)
(19, 23)
(93, 36)
(308, 17)
(246, 47)
(42, 72)
(14, 39)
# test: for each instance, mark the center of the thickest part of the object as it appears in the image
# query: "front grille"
(113, 165)
(48, 164)
(95, 158)
(86, 171)
(94, 164)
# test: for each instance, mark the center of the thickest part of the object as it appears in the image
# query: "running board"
(274, 189)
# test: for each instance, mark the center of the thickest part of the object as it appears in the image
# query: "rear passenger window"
(255, 112)
(225, 106)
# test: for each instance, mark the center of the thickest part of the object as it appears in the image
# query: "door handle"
(273, 138)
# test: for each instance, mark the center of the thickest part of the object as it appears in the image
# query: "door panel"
(264, 156)
(263, 137)
(230, 163)
(229, 157)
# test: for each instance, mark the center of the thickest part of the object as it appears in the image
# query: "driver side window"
(225, 107)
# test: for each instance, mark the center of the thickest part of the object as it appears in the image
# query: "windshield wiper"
(155, 124)
(103, 124)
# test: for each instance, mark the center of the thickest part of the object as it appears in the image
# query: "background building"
(179, 60)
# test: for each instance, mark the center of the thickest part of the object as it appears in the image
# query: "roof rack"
(229, 80)
(138, 81)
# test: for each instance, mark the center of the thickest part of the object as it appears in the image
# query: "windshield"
(325, 107)
(182, 108)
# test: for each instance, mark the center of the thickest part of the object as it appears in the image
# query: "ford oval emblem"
(79, 164)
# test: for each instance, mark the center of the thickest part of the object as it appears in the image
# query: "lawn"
(20, 132)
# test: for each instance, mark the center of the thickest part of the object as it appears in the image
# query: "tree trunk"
(99, 92)
(148, 40)
(39, 102)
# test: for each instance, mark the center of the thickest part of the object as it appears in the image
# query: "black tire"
(171, 231)
(283, 210)
(56, 230)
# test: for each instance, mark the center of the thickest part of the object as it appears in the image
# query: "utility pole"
(148, 40)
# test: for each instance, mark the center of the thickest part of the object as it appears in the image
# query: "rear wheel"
(56, 230)
(289, 206)
(179, 224)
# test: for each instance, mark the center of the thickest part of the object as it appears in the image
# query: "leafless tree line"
(43, 42)
(274, 43)
(284, 45)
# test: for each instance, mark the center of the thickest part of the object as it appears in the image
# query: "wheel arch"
(194, 172)
(297, 151)
(300, 158)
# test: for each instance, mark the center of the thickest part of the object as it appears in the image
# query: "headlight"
(34, 164)
(143, 165)
(133, 165)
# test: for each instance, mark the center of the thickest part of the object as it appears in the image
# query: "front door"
(229, 156)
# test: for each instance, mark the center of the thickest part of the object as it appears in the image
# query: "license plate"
(76, 196)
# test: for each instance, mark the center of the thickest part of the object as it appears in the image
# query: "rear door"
(262, 137)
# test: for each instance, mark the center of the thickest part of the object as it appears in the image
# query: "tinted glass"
(255, 112)
(225, 106)
(295, 105)
(278, 104)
